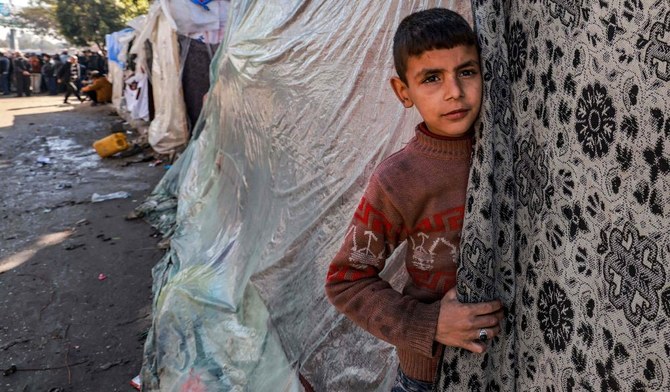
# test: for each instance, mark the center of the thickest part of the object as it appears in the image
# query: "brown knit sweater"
(416, 195)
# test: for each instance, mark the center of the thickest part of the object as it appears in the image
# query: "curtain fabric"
(567, 216)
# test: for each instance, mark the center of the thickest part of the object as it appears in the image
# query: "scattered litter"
(57, 389)
(136, 382)
(9, 371)
(82, 222)
(155, 163)
(64, 185)
(103, 238)
(96, 198)
(167, 167)
(109, 365)
(164, 243)
(135, 215)
(116, 126)
(111, 144)
(43, 160)
(74, 246)
(134, 150)
(102, 277)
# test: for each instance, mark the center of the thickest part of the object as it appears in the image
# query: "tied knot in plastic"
(202, 3)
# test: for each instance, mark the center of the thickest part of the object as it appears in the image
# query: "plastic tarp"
(299, 113)
(117, 47)
(168, 131)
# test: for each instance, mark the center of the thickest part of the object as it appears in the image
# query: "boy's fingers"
(485, 321)
(486, 307)
(473, 346)
(451, 294)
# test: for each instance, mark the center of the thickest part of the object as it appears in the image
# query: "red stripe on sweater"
(338, 273)
(452, 216)
(372, 218)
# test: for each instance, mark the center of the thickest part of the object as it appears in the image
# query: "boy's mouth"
(456, 114)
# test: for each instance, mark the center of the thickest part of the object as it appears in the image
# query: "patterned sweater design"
(416, 195)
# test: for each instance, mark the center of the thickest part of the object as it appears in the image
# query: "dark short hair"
(435, 28)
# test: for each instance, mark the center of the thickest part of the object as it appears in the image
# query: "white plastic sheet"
(299, 112)
(168, 131)
(169, 128)
(136, 95)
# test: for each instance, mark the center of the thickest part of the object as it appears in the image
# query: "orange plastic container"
(111, 144)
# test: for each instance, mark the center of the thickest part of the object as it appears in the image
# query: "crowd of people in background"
(67, 73)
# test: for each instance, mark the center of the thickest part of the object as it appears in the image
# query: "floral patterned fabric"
(567, 217)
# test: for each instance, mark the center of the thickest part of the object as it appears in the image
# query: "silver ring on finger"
(483, 335)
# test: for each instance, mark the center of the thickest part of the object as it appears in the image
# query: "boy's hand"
(458, 324)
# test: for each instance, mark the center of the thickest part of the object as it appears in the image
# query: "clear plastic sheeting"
(299, 113)
(197, 19)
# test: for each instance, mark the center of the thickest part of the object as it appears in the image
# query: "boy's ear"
(400, 89)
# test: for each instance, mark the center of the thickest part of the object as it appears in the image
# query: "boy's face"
(446, 87)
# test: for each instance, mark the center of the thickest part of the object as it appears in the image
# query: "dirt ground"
(75, 276)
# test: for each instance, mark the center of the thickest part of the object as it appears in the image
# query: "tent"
(159, 68)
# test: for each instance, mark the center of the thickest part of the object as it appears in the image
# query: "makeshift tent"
(299, 113)
(568, 216)
(117, 48)
(160, 60)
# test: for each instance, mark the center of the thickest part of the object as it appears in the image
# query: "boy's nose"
(452, 89)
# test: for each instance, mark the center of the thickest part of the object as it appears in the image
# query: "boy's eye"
(467, 72)
(431, 79)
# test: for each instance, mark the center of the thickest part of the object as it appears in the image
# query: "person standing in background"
(57, 65)
(48, 75)
(22, 75)
(4, 73)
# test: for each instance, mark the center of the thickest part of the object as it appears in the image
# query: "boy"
(418, 195)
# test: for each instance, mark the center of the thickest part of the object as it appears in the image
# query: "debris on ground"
(43, 160)
(112, 144)
(73, 246)
(136, 382)
(64, 185)
(96, 198)
(9, 371)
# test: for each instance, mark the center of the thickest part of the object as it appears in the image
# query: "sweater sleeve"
(354, 287)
